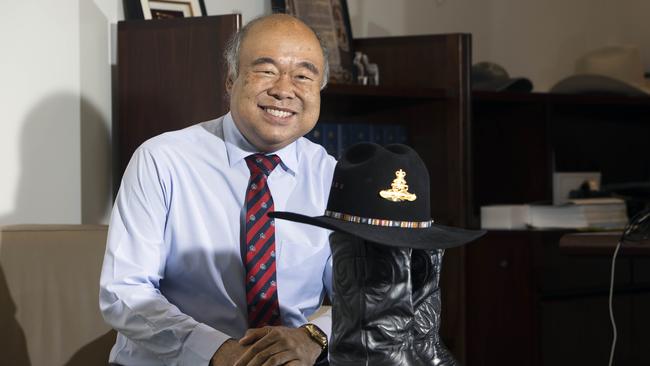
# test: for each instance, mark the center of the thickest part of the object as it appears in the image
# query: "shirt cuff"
(201, 345)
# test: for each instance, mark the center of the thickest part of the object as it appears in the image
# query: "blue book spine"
(359, 132)
(377, 134)
(401, 135)
(390, 134)
(316, 134)
(352, 133)
(331, 138)
(344, 138)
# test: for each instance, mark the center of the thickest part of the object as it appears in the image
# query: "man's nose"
(282, 88)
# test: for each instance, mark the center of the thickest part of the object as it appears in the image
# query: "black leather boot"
(372, 311)
(426, 266)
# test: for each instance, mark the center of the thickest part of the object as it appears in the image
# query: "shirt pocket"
(300, 272)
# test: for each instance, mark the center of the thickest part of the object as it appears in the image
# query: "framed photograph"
(163, 9)
(330, 18)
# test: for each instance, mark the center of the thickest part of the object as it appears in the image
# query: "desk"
(601, 243)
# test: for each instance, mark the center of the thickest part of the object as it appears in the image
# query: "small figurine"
(358, 64)
(372, 70)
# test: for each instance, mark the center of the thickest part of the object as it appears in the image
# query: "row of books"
(592, 214)
(336, 137)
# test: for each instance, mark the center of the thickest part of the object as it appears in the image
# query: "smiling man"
(195, 272)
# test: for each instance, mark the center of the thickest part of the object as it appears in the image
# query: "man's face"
(276, 96)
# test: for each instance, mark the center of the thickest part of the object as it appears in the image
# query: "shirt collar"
(238, 147)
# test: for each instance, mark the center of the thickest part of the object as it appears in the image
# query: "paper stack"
(596, 214)
(505, 217)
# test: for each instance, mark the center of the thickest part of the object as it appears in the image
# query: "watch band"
(316, 334)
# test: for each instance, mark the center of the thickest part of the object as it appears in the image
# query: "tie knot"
(260, 163)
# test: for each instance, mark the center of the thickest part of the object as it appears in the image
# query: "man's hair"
(233, 48)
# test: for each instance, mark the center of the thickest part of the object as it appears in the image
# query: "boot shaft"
(372, 310)
(426, 267)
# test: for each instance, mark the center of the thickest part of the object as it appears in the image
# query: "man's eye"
(266, 72)
(303, 77)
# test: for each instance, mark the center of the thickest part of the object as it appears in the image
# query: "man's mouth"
(279, 113)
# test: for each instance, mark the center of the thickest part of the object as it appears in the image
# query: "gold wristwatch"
(316, 334)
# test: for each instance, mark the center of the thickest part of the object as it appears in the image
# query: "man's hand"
(229, 352)
(271, 346)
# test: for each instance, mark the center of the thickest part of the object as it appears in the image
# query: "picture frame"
(331, 20)
(163, 9)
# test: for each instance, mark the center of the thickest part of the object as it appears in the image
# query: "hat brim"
(434, 237)
(598, 84)
(519, 85)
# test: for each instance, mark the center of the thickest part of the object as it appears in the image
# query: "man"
(195, 272)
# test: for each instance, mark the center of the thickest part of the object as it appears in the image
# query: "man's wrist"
(316, 335)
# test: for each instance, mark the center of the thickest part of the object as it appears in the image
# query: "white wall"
(56, 68)
(39, 100)
(537, 39)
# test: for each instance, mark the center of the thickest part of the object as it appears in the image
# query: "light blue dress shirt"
(172, 281)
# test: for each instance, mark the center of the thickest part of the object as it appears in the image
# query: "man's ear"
(229, 83)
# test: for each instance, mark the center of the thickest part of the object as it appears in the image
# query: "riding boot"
(426, 266)
(372, 311)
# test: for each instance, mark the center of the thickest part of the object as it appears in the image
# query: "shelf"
(352, 90)
(602, 243)
(582, 99)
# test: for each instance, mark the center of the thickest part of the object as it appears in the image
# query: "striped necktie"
(261, 285)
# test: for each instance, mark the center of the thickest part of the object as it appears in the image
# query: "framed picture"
(330, 18)
(163, 9)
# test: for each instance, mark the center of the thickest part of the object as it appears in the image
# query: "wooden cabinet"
(519, 140)
(424, 87)
(529, 303)
(170, 75)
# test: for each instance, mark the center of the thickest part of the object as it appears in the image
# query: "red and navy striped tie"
(261, 285)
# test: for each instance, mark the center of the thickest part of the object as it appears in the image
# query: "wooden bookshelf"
(540, 297)
(371, 91)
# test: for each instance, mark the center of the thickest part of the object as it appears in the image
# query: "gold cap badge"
(399, 190)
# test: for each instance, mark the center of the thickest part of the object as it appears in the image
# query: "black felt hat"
(381, 194)
(489, 76)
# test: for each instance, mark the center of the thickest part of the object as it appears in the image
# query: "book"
(583, 214)
(505, 217)
(331, 138)
(604, 215)
(316, 134)
(352, 133)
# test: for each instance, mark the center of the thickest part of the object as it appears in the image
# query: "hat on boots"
(381, 194)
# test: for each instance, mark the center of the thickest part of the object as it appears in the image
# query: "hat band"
(379, 222)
